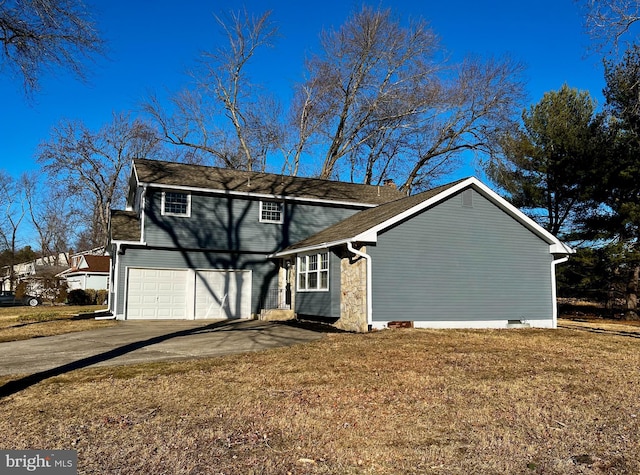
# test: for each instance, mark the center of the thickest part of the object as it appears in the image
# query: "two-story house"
(202, 242)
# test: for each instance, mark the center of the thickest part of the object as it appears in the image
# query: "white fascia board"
(315, 247)
(367, 235)
(129, 243)
(555, 245)
(250, 194)
(561, 248)
(135, 171)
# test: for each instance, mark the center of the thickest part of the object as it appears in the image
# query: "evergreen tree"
(547, 159)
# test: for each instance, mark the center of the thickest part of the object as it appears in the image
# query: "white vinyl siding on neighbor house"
(176, 204)
(271, 212)
(313, 272)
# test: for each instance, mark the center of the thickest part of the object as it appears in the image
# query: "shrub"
(78, 297)
(86, 297)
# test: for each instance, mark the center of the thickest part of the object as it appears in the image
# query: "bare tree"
(51, 216)
(225, 117)
(607, 22)
(12, 213)
(39, 35)
(381, 101)
(90, 167)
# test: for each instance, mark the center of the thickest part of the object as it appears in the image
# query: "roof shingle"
(224, 179)
(125, 226)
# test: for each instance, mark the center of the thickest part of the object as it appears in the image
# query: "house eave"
(305, 249)
(556, 246)
(251, 194)
(119, 243)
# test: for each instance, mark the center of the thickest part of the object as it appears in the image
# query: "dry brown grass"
(392, 402)
(22, 323)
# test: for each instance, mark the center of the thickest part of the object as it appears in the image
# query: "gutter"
(314, 247)
(367, 258)
(269, 196)
(143, 205)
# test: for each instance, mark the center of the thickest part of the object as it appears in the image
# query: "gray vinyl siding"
(459, 263)
(325, 304)
(232, 223)
(264, 272)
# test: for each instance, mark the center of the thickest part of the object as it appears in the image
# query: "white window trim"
(280, 221)
(184, 215)
(307, 272)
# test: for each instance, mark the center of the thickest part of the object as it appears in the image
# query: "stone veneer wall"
(353, 297)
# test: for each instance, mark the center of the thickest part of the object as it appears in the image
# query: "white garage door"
(223, 294)
(157, 294)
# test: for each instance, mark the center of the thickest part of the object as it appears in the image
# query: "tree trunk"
(632, 294)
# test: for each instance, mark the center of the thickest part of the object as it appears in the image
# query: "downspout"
(367, 258)
(143, 205)
(113, 288)
(554, 297)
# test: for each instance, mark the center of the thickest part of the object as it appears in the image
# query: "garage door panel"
(223, 294)
(157, 294)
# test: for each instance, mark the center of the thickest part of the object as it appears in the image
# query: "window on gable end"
(271, 212)
(176, 204)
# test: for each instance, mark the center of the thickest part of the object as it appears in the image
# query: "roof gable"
(365, 225)
(224, 180)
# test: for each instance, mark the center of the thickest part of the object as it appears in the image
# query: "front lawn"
(389, 402)
(22, 323)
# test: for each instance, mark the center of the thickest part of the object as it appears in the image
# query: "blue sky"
(151, 44)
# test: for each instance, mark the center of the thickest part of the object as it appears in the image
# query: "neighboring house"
(87, 272)
(204, 242)
(34, 273)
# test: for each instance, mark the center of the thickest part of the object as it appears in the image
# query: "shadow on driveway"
(212, 339)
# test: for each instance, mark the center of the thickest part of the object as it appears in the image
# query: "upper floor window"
(313, 272)
(176, 204)
(271, 212)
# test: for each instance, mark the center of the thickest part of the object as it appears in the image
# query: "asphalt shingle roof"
(125, 226)
(97, 263)
(369, 218)
(224, 179)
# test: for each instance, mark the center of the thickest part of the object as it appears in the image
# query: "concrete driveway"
(132, 342)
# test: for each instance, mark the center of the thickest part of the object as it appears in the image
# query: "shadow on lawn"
(18, 385)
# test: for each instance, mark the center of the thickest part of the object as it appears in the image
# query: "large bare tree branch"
(226, 117)
(608, 22)
(42, 35)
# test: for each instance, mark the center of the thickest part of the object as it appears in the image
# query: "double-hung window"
(271, 212)
(176, 204)
(313, 272)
